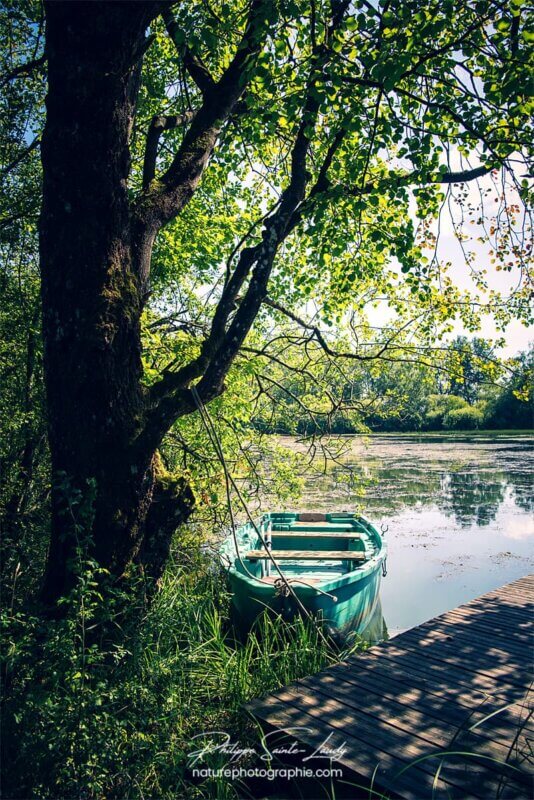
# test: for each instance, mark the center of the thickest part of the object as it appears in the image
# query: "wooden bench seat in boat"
(307, 555)
(308, 535)
(271, 579)
(315, 527)
(321, 525)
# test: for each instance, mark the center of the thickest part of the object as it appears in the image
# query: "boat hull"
(344, 597)
(350, 611)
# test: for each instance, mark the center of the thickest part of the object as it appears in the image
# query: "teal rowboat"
(333, 563)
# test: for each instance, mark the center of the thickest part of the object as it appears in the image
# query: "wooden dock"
(441, 711)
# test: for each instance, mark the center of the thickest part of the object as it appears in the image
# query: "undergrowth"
(89, 714)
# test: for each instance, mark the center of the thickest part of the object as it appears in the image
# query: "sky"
(516, 334)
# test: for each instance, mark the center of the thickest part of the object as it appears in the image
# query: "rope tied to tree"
(282, 583)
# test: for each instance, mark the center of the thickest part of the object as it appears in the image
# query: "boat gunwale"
(353, 576)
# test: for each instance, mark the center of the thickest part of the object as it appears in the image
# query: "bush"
(89, 714)
(439, 406)
(463, 419)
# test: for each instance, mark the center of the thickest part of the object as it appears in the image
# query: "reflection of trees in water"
(400, 488)
(354, 481)
(472, 498)
(522, 488)
(385, 489)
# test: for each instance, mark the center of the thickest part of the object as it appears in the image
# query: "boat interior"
(312, 546)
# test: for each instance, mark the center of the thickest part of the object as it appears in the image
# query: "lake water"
(458, 511)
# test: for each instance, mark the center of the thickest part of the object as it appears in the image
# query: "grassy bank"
(429, 434)
(84, 717)
(454, 434)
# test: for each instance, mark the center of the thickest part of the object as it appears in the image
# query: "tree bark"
(92, 297)
(172, 504)
(96, 247)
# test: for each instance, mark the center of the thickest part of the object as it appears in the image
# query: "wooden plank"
(443, 689)
(308, 535)
(492, 605)
(521, 590)
(307, 555)
(479, 650)
(505, 673)
(443, 643)
(495, 622)
(463, 653)
(413, 708)
(434, 678)
(381, 734)
(312, 516)
(406, 676)
(502, 622)
(436, 669)
(526, 580)
(496, 615)
(516, 595)
(432, 729)
(376, 758)
(516, 601)
(456, 710)
(405, 699)
(272, 580)
(470, 631)
(383, 765)
(313, 527)
(325, 524)
(515, 611)
(520, 633)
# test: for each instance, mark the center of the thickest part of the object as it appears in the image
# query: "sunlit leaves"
(413, 102)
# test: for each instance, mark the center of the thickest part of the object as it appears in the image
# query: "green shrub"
(463, 419)
(91, 713)
(439, 405)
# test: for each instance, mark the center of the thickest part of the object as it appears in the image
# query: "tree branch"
(416, 178)
(158, 125)
(160, 203)
(171, 398)
(316, 332)
(22, 70)
(463, 176)
(21, 156)
(193, 64)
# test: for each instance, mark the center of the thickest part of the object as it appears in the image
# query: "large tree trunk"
(172, 503)
(91, 290)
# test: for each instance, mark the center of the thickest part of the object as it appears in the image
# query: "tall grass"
(88, 717)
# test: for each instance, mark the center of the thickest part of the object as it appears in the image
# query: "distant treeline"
(469, 390)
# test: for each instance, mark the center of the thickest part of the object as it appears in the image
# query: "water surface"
(458, 511)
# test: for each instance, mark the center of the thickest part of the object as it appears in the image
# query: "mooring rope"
(214, 438)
